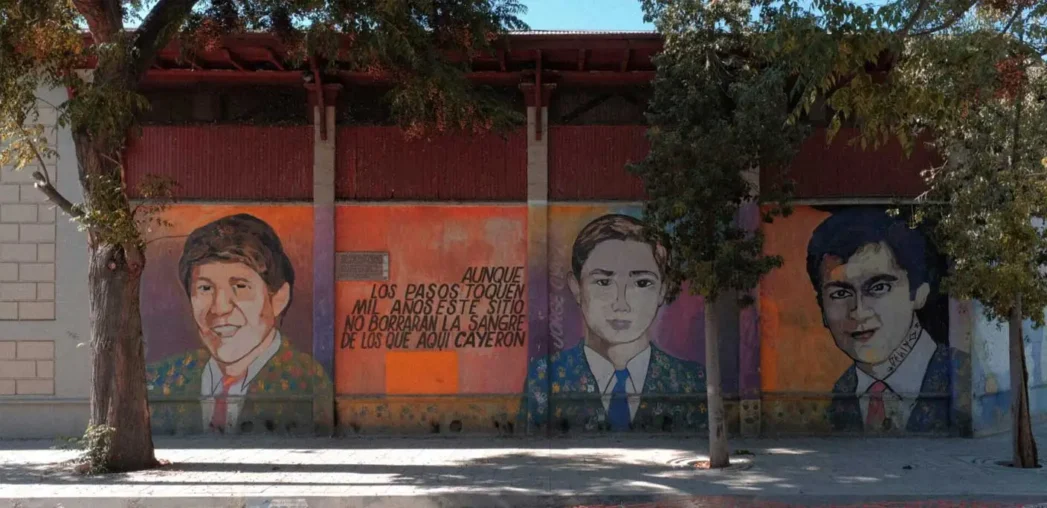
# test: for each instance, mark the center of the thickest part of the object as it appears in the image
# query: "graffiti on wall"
(216, 307)
(624, 368)
(873, 312)
(446, 323)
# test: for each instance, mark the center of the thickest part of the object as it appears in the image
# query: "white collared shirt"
(903, 384)
(603, 372)
(211, 385)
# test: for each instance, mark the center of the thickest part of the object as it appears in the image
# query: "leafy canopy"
(969, 76)
(738, 79)
(719, 111)
(423, 47)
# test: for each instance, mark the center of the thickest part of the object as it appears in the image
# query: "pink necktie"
(876, 414)
(221, 403)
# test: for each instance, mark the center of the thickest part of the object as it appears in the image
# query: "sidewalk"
(591, 471)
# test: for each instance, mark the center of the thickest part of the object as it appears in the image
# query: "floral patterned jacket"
(279, 398)
(563, 386)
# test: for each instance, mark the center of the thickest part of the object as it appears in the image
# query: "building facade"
(323, 272)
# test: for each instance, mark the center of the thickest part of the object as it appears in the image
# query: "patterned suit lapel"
(930, 411)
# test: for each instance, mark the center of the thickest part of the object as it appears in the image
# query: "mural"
(876, 315)
(620, 358)
(216, 308)
(990, 371)
(435, 337)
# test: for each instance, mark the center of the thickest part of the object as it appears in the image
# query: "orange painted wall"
(797, 353)
(428, 244)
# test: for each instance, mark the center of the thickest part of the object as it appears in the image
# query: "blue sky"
(585, 15)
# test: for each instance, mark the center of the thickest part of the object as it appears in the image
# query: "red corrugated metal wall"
(226, 162)
(587, 162)
(841, 170)
(379, 163)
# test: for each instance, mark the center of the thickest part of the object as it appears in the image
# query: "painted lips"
(225, 331)
(863, 336)
(619, 324)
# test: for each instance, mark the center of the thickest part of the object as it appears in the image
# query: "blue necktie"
(618, 411)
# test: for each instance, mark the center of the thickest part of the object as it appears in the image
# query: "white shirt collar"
(603, 370)
(907, 379)
(212, 380)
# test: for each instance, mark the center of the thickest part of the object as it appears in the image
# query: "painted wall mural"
(855, 312)
(619, 357)
(226, 304)
(437, 341)
(991, 381)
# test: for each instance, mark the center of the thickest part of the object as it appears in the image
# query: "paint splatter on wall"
(855, 314)
(226, 306)
(438, 340)
(620, 356)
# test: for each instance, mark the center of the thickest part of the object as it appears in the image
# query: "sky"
(585, 15)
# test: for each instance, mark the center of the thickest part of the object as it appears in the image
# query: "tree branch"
(956, 17)
(1014, 17)
(156, 31)
(105, 18)
(916, 15)
(53, 195)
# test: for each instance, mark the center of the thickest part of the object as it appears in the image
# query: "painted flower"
(556, 387)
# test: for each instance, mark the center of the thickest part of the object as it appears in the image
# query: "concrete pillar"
(538, 226)
(324, 149)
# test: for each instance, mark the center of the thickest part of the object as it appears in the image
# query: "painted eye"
(203, 287)
(644, 283)
(880, 288)
(602, 282)
(241, 285)
(840, 294)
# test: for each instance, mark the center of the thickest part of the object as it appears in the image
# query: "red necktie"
(876, 414)
(221, 403)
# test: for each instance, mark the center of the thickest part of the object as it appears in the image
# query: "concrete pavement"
(576, 471)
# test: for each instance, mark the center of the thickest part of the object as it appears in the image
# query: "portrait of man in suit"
(872, 274)
(611, 377)
(239, 282)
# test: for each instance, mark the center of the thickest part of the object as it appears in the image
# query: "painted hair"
(615, 227)
(848, 230)
(240, 238)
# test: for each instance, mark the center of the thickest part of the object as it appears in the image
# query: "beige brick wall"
(27, 243)
(27, 367)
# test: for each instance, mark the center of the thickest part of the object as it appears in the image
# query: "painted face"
(233, 309)
(867, 304)
(620, 290)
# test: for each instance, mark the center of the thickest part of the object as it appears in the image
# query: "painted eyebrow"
(880, 278)
(837, 284)
(601, 271)
(204, 279)
(639, 273)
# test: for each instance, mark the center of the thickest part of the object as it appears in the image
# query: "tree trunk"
(118, 397)
(718, 456)
(1024, 443)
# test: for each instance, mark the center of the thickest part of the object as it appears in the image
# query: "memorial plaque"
(362, 266)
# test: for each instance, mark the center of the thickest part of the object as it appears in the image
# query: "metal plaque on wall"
(362, 266)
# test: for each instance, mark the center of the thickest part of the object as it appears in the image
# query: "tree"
(719, 111)
(970, 76)
(418, 44)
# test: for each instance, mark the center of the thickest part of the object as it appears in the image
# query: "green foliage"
(967, 78)
(720, 110)
(94, 446)
(423, 45)
(992, 192)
